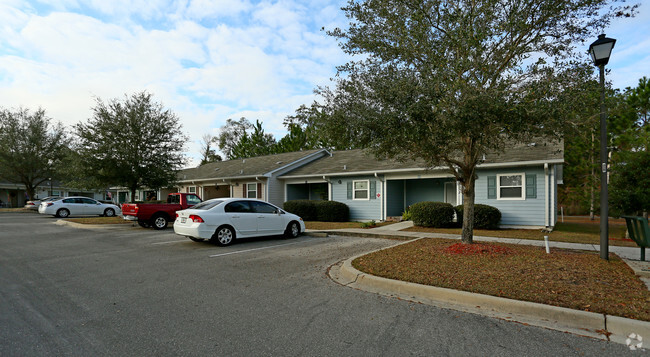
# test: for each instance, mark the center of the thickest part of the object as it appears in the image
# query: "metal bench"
(639, 231)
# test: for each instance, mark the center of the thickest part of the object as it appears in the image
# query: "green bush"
(332, 211)
(325, 211)
(306, 209)
(485, 217)
(432, 214)
(406, 216)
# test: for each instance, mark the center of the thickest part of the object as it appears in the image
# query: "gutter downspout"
(383, 199)
(329, 187)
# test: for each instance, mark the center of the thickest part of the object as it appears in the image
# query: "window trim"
(249, 191)
(523, 187)
(354, 190)
(189, 189)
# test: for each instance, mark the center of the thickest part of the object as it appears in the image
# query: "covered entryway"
(308, 191)
(216, 191)
(400, 194)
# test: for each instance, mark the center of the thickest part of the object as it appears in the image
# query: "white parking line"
(250, 250)
(174, 241)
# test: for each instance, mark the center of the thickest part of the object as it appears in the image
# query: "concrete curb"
(62, 222)
(315, 234)
(578, 322)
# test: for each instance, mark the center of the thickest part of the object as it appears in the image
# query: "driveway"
(131, 291)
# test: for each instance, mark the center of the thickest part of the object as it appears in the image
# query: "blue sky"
(207, 60)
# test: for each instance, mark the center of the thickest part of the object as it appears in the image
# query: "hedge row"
(485, 217)
(440, 215)
(432, 214)
(324, 211)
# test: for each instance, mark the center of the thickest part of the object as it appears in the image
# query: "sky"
(206, 60)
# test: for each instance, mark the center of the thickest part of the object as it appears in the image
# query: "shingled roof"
(361, 162)
(244, 168)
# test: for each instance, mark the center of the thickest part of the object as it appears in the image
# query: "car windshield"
(206, 205)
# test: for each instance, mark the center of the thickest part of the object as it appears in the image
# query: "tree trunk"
(30, 189)
(468, 210)
(132, 198)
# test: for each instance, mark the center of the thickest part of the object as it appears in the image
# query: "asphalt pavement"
(129, 291)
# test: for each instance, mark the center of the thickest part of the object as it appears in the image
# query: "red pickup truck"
(157, 215)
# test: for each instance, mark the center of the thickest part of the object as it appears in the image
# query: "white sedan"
(224, 220)
(78, 206)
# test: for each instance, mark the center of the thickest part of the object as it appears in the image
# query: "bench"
(639, 231)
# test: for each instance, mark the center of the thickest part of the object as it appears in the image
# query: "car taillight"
(176, 215)
(49, 204)
(196, 218)
(30, 203)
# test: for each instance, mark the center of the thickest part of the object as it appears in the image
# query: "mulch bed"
(573, 279)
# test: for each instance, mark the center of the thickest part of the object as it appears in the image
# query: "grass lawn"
(20, 209)
(99, 220)
(573, 230)
(573, 279)
(339, 225)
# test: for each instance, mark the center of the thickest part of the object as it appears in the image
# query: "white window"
(361, 190)
(191, 189)
(511, 187)
(251, 190)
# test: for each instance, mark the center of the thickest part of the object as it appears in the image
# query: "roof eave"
(417, 169)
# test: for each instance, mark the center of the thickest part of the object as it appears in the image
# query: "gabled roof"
(246, 168)
(350, 162)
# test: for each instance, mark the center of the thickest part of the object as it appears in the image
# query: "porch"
(402, 193)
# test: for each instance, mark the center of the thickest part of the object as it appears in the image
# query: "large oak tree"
(448, 81)
(134, 143)
(31, 147)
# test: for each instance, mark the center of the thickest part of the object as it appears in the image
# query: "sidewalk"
(567, 320)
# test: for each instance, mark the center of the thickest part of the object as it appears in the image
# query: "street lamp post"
(600, 51)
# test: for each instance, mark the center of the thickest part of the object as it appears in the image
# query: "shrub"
(485, 216)
(406, 216)
(306, 209)
(332, 211)
(432, 214)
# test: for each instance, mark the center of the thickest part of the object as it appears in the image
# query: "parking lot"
(135, 291)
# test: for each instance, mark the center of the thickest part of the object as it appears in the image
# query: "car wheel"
(109, 212)
(159, 222)
(144, 224)
(63, 213)
(223, 236)
(293, 230)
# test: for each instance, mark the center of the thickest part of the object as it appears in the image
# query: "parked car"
(78, 206)
(34, 204)
(157, 215)
(224, 220)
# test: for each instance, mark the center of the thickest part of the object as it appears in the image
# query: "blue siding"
(359, 209)
(515, 212)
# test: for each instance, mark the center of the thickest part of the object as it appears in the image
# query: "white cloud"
(206, 60)
(209, 9)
